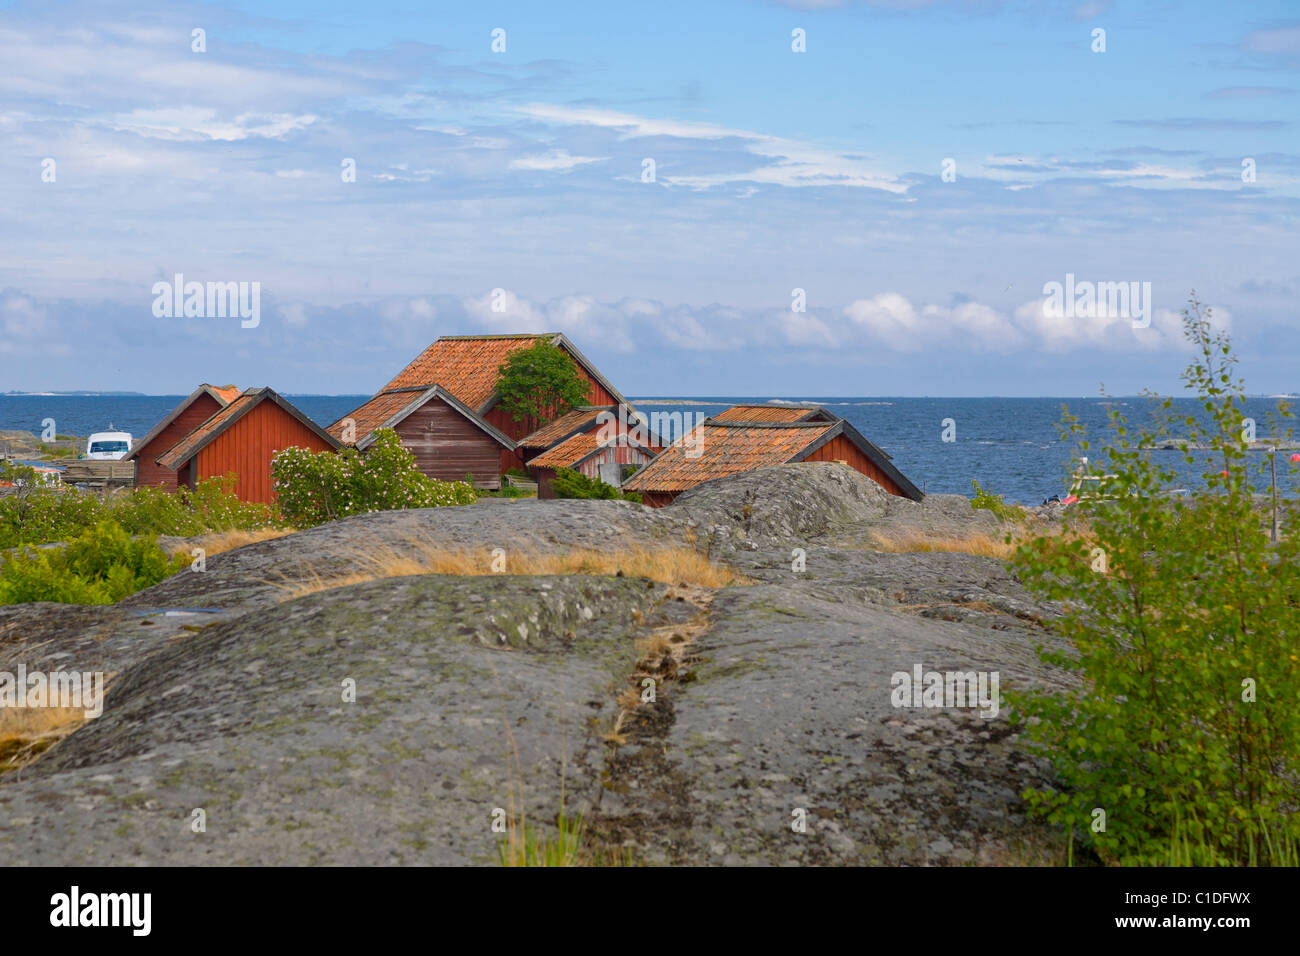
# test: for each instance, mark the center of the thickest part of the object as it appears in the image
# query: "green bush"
(314, 487)
(12, 473)
(39, 515)
(540, 383)
(102, 566)
(1180, 617)
(574, 484)
(213, 501)
(994, 503)
(156, 511)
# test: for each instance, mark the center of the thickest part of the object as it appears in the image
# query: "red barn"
(204, 402)
(241, 438)
(446, 438)
(746, 438)
(466, 367)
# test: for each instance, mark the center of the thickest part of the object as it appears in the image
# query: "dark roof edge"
(167, 420)
(173, 415)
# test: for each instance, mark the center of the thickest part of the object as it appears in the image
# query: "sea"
(1011, 446)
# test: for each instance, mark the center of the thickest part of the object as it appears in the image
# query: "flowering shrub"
(314, 487)
(102, 566)
(35, 516)
(214, 503)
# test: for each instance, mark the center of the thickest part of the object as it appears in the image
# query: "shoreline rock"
(476, 691)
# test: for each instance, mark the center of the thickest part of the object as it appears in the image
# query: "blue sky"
(522, 171)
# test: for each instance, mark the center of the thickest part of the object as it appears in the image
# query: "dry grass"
(977, 542)
(912, 540)
(27, 732)
(376, 559)
(222, 541)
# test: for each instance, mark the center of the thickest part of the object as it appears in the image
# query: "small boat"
(108, 446)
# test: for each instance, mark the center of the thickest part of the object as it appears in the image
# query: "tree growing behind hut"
(1181, 743)
(540, 383)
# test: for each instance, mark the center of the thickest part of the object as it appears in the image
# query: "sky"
(730, 197)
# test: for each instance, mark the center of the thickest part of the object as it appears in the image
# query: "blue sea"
(1010, 445)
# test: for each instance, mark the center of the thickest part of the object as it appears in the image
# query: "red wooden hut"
(241, 439)
(204, 402)
(446, 438)
(467, 368)
(728, 444)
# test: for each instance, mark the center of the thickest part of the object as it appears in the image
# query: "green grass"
(522, 845)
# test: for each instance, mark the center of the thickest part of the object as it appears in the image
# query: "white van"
(108, 446)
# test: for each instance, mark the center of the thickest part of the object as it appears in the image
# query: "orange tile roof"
(568, 452)
(181, 452)
(466, 366)
(558, 430)
(772, 413)
(228, 393)
(374, 413)
(573, 450)
(723, 450)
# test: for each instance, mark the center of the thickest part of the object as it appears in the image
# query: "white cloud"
(891, 320)
(513, 314)
(555, 160)
(789, 162)
(199, 123)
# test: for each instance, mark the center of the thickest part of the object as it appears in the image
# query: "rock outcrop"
(504, 692)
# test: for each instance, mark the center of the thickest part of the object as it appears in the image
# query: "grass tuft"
(27, 732)
(222, 541)
(376, 559)
(912, 540)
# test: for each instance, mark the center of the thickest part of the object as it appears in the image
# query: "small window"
(107, 446)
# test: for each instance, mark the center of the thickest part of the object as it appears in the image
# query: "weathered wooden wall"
(446, 446)
(620, 454)
(545, 480)
(840, 448)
